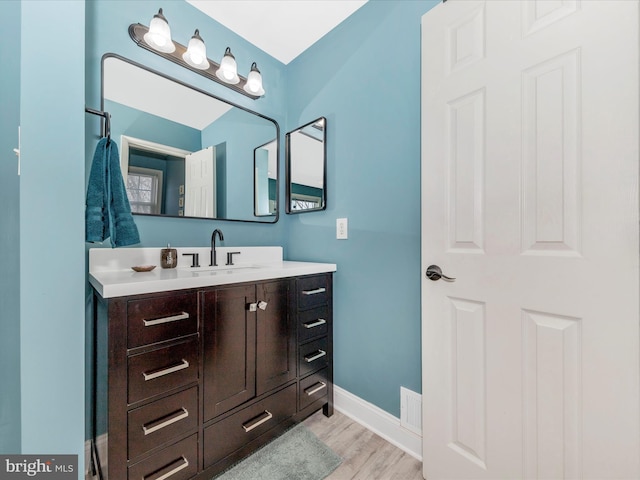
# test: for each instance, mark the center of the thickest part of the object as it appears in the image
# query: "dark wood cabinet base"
(197, 380)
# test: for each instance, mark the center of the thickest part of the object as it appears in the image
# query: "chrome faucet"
(213, 246)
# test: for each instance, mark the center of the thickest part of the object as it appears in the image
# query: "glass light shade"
(254, 81)
(228, 71)
(159, 35)
(196, 54)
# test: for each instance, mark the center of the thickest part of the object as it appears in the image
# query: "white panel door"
(530, 200)
(199, 185)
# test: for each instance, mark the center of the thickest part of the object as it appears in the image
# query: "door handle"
(434, 273)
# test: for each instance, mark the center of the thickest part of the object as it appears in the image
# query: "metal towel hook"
(107, 121)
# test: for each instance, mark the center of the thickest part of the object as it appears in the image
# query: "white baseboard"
(378, 421)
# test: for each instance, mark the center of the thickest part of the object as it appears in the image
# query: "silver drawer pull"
(320, 354)
(165, 371)
(314, 292)
(173, 418)
(262, 418)
(183, 463)
(317, 323)
(310, 391)
(158, 321)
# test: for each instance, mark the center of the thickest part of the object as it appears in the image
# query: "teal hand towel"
(108, 213)
(96, 214)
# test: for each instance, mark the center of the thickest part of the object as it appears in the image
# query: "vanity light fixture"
(196, 54)
(157, 39)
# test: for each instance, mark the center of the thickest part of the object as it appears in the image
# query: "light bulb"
(159, 35)
(254, 81)
(196, 54)
(228, 71)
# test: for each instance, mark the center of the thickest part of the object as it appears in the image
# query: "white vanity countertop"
(111, 275)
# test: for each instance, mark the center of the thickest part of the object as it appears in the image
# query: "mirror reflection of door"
(265, 188)
(200, 181)
(306, 167)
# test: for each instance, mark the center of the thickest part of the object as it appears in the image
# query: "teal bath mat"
(296, 455)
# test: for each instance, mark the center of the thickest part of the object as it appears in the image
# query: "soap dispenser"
(168, 257)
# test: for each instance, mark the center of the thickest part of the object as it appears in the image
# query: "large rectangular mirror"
(185, 152)
(306, 152)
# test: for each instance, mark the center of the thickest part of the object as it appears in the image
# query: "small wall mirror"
(306, 150)
(186, 153)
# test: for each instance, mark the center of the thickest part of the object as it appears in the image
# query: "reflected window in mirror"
(144, 190)
(189, 153)
(306, 156)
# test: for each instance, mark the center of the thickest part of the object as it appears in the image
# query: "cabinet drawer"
(161, 318)
(162, 420)
(232, 433)
(176, 462)
(313, 291)
(162, 370)
(313, 388)
(312, 356)
(313, 323)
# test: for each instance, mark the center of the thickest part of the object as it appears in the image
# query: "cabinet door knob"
(262, 305)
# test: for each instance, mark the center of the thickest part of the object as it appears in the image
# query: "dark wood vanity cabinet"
(198, 379)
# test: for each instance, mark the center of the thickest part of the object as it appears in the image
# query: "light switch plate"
(342, 229)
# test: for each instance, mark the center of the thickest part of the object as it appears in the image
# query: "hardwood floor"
(366, 456)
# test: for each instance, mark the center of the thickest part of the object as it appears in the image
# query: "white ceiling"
(282, 28)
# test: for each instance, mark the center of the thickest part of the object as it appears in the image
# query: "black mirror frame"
(288, 183)
(275, 217)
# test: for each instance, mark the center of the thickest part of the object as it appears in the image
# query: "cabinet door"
(275, 361)
(229, 348)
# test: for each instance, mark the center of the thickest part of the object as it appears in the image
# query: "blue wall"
(52, 228)
(9, 229)
(241, 132)
(364, 76)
